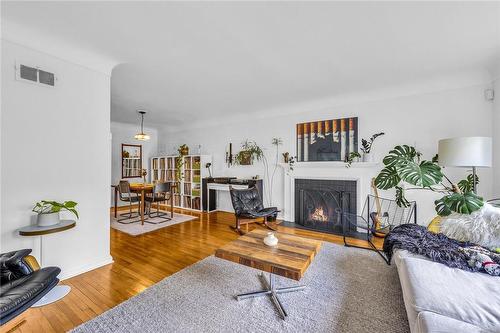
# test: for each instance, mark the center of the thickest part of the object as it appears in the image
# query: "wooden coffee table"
(290, 258)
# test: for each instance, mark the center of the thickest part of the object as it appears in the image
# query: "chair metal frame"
(411, 214)
(158, 189)
(128, 198)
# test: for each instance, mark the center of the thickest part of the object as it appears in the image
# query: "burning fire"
(319, 215)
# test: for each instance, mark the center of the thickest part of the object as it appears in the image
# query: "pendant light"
(142, 136)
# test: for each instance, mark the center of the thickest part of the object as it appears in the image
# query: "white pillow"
(481, 227)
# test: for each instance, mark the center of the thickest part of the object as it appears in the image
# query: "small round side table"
(58, 291)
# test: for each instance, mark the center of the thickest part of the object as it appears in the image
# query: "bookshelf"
(188, 194)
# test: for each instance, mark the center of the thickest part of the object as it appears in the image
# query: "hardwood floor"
(140, 262)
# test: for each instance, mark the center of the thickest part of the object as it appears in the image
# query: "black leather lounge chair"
(248, 208)
(22, 284)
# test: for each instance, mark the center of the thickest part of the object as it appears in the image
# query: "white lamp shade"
(474, 151)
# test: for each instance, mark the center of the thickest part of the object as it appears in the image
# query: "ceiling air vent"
(35, 75)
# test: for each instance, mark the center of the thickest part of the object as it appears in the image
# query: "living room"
(247, 137)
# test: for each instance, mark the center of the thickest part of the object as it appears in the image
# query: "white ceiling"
(194, 62)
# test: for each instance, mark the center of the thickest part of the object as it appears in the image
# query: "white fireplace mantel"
(361, 172)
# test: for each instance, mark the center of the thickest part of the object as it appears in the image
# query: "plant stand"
(59, 291)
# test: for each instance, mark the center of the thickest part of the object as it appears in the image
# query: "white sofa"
(443, 299)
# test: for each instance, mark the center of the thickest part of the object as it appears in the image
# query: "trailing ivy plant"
(403, 165)
(352, 156)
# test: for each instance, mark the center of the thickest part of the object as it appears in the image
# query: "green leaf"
(462, 203)
(70, 204)
(400, 154)
(424, 174)
(387, 178)
(467, 185)
(55, 209)
(401, 200)
(441, 208)
(74, 212)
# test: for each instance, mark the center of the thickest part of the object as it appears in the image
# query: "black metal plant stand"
(390, 212)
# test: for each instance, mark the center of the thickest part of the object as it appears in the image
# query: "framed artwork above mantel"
(327, 140)
(131, 161)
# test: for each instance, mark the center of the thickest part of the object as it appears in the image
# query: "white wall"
(55, 144)
(419, 120)
(124, 133)
(496, 140)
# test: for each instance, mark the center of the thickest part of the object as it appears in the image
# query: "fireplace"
(318, 203)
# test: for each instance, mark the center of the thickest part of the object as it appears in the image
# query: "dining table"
(142, 189)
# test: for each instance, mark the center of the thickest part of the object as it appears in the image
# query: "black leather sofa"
(21, 285)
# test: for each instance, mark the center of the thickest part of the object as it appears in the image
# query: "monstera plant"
(403, 165)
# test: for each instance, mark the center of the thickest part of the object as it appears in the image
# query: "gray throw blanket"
(463, 255)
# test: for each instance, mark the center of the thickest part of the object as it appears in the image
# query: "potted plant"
(354, 156)
(183, 150)
(366, 147)
(403, 165)
(250, 151)
(48, 211)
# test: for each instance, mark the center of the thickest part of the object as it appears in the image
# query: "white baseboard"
(85, 268)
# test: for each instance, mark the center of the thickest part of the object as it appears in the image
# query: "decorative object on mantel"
(144, 174)
(327, 140)
(286, 157)
(353, 157)
(403, 165)
(142, 136)
(366, 146)
(48, 211)
(291, 164)
(250, 151)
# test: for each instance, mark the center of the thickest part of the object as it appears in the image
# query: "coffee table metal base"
(271, 290)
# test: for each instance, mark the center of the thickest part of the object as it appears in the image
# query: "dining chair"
(162, 192)
(127, 196)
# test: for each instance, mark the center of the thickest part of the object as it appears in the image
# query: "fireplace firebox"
(318, 203)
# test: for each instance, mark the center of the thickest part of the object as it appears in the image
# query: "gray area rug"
(137, 228)
(349, 290)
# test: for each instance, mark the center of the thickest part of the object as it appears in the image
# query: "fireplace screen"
(319, 202)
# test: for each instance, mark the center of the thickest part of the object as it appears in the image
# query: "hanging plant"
(403, 165)
(249, 152)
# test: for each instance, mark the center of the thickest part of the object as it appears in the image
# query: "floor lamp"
(470, 152)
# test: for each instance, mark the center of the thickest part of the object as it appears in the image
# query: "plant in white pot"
(48, 211)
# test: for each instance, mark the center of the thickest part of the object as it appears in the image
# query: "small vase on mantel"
(367, 157)
(47, 219)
